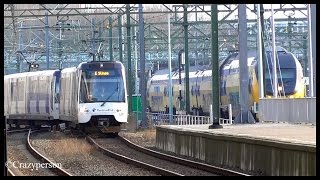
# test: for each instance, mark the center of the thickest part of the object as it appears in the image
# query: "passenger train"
(289, 73)
(89, 96)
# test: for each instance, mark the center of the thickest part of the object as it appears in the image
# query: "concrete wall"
(265, 157)
(300, 110)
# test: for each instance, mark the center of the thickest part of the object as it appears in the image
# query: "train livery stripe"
(39, 107)
(43, 102)
(47, 103)
(28, 105)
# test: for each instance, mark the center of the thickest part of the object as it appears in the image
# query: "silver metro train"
(90, 96)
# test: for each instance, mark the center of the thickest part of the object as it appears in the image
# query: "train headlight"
(84, 109)
(121, 114)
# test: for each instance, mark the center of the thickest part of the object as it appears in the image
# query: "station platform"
(263, 148)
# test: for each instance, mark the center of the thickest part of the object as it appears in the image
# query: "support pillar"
(244, 115)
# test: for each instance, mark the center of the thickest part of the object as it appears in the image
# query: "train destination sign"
(101, 73)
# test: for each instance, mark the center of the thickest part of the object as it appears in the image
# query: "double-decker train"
(289, 73)
(89, 96)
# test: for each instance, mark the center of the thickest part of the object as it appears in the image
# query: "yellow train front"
(289, 75)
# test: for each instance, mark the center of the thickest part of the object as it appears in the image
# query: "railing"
(223, 121)
(226, 121)
(162, 119)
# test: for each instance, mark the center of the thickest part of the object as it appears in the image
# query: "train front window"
(102, 86)
(286, 74)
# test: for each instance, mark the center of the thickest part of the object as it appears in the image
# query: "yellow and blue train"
(289, 73)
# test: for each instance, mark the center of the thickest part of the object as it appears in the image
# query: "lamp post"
(180, 56)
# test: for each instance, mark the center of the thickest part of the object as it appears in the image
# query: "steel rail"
(125, 159)
(42, 158)
(185, 162)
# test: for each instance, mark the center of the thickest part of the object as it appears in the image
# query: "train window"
(13, 88)
(157, 89)
(62, 87)
(250, 85)
(198, 90)
(234, 70)
(83, 91)
(57, 98)
(165, 91)
(156, 99)
(223, 88)
(289, 73)
(57, 88)
(195, 90)
(20, 89)
(234, 98)
(225, 72)
(43, 89)
(172, 91)
(31, 89)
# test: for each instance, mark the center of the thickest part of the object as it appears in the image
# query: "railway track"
(53, 168)
(18, 130)
(10, 172)
(79, 157)
(122, 149)
(150, 158)
(185, 162)
(58, 170)
(125, 159)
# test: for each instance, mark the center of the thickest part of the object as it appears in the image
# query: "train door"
(13, 99)
(21, 91)
(56, 94)
(6, 96)
(32, 104)
(42, 95)
(74, 94)
(62, 95)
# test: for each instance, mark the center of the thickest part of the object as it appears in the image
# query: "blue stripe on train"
(28, 106)
(47, 103)
(37, 97)
(37, 107)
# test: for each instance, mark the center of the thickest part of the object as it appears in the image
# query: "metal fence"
(300, 110)
(162, 119)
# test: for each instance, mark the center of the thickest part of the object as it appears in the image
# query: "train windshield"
(285, 74)
(102, 86)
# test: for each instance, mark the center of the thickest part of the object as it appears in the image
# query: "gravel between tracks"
(146, 138)
(18, 154)
(80, 158)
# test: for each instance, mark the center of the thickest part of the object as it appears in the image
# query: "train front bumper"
(118, 110)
